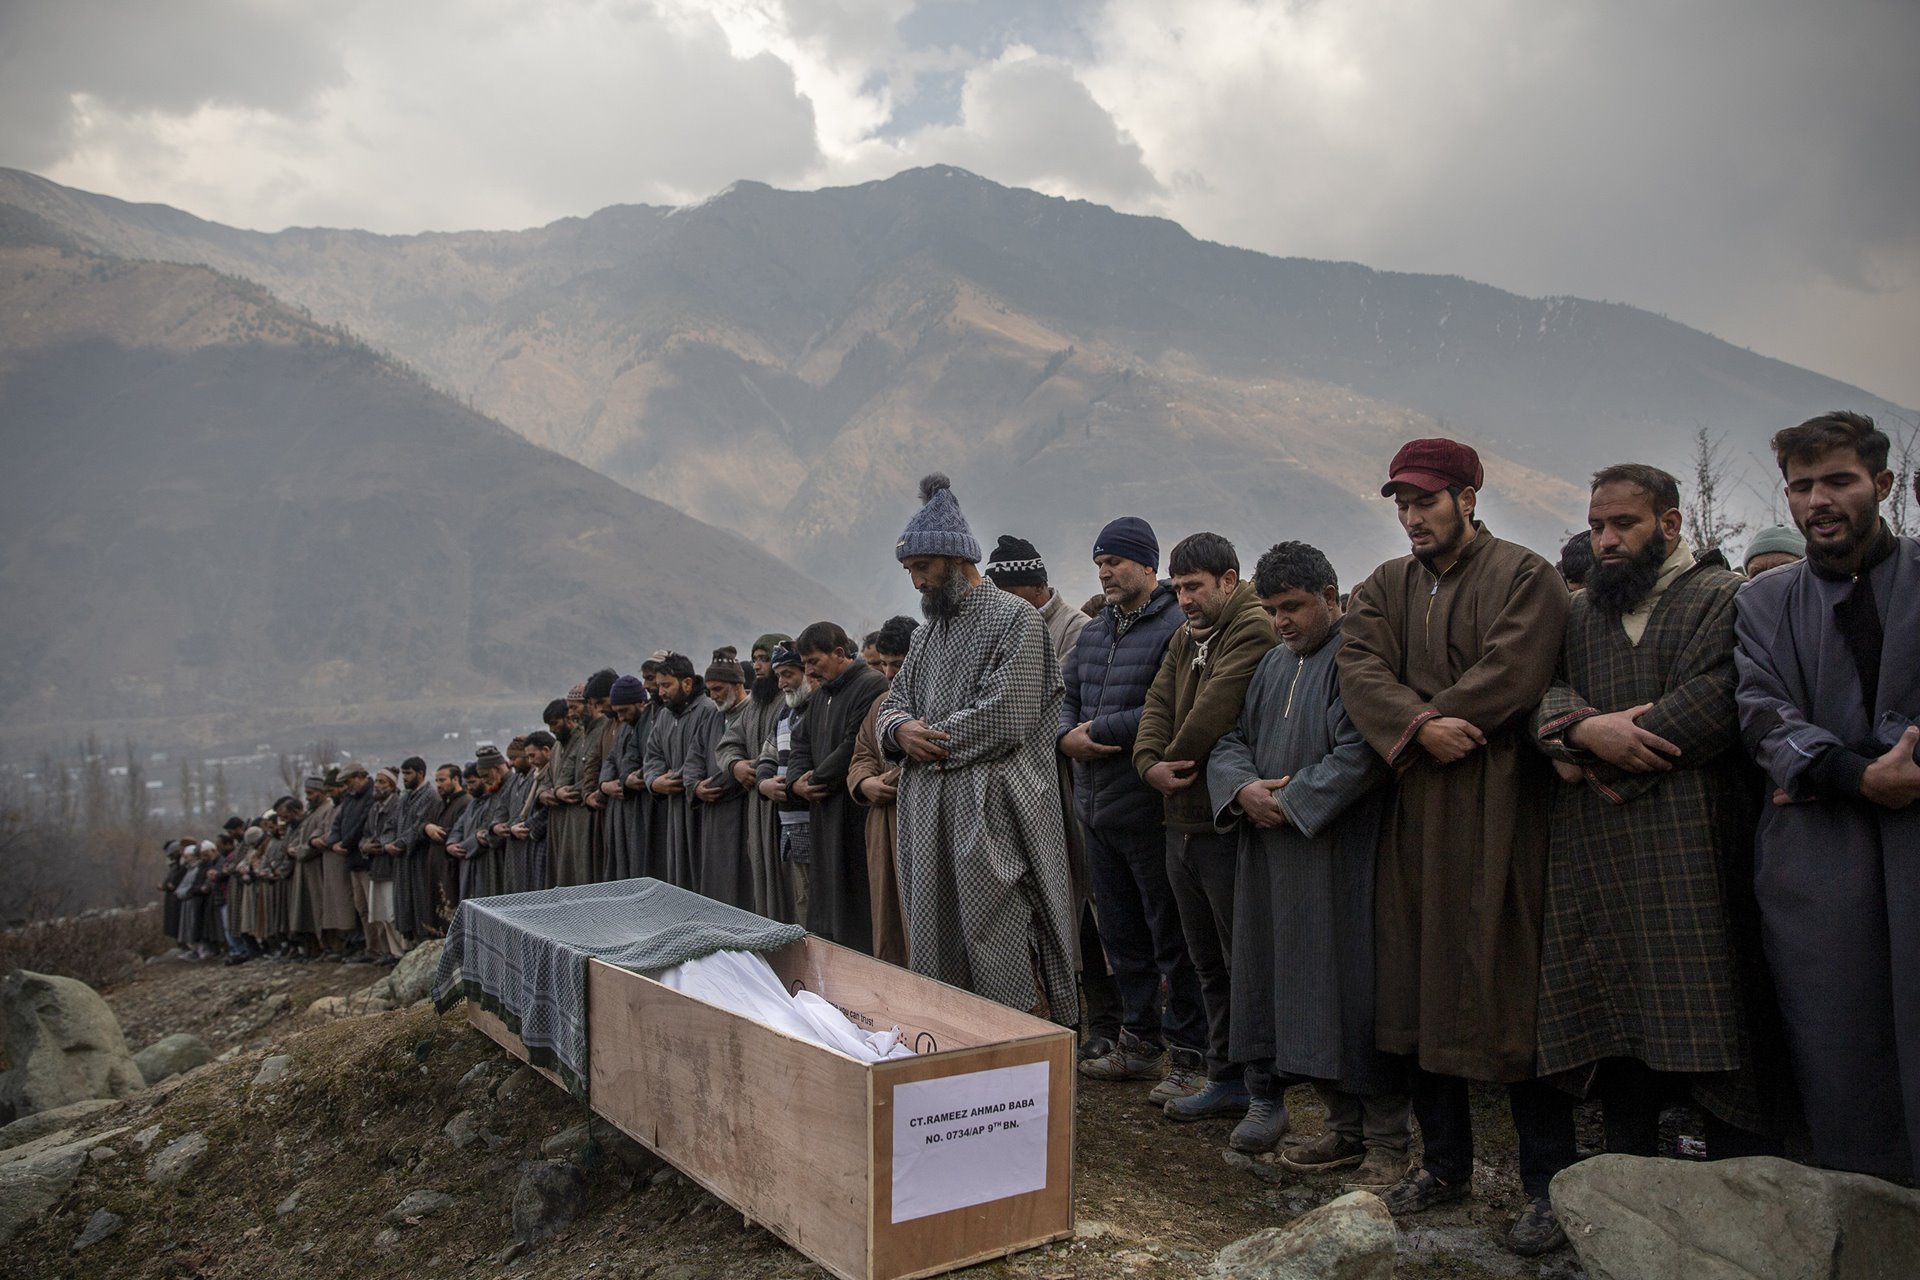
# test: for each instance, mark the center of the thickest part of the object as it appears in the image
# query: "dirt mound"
(307, 1164)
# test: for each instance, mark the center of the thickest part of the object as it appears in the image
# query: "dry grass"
(100, 948)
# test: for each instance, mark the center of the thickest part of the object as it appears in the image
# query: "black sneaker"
(1536, 1231)
(1265, 1124)
(1131, 1059)
(1095, 1047)
(1420, 1191)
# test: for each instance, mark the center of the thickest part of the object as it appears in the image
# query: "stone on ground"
(551, 1194)
(31, 1184)
(412, 979)
(42, 1123)
(419, 1204)
(176, 1158)
(102, 1224)
(176, 1055)
(1634, 1218)
(65, 1044)
(271, 1070)
(1351, 1238)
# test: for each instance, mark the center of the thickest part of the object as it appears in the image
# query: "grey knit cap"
(1779, 537)
(938, 528)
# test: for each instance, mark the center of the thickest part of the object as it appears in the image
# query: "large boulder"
(1634, 1218)
(1351, 1238)
(65, 1043)
(176, 1055)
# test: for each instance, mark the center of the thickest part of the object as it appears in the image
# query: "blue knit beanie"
(1131, 537)
(938, 528)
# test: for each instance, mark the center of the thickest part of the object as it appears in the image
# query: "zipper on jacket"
(1299, 666)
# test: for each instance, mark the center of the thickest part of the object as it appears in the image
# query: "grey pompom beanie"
(938, 528)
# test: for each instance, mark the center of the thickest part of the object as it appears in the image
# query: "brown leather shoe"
(1380, 1170)
(1325, 1154)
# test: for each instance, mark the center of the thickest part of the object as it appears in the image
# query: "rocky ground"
(393, 1143)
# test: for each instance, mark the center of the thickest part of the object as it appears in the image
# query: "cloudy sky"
(1746, 166)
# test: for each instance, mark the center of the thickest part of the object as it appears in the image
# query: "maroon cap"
(1432, 465)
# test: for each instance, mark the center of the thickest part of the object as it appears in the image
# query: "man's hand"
(435, 831)
(521, 831)
(635, 781)
(1571, 774)
(1893, 781)
(882, 789)
(318, 843)
(456, 850)
(921, 743)
(1078, 744)
(1450, 738)
(1256, 800)
(596, 801)
(568, 795)
(708, 792)
(1619, 741)
(340, 849)
(500, 829)
(743, 772)
(1170, 777)
(668, 784)
(612, 787)
(774, 789)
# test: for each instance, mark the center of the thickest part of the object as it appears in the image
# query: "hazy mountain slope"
(792, 361)
(213, 503)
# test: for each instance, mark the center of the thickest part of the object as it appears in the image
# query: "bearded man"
(1829, 662)
(726, 874)
(970, 718)
(480, 876)
(845, 688)
(570, 822)
(345, 912)
(306, 896)
(626, 826)
(1640, 999)
(411, 900)
(737, 756)
(873, 780)
(676, 748)
(1447, 653)
(790, 894)
(444, 813)
(597, 729)
(531, 826)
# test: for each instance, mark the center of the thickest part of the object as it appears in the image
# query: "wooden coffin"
(876, 1171)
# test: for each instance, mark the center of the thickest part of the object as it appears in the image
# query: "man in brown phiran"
(1640, 999)
(1448, 652)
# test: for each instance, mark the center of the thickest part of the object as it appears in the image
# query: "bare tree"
(1903, 504)
(1710, 522)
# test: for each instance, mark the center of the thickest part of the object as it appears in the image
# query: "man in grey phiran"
(972, 718)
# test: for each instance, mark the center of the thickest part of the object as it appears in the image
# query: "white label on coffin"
(964, 1140)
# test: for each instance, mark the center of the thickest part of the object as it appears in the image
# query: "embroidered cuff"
(1393, 756)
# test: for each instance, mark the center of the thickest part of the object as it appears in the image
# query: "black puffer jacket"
(1107, 682)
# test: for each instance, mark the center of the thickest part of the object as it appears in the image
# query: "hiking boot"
(1536, 1231)
(1094, 1047)
(1381, 1169)
(1265, 1124)
(1219, 1100)
(1326, 1153)
(1131, 1059)
(1420, 1191)
(1186, 1076)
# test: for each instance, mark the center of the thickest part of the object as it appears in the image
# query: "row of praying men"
(1652, 840)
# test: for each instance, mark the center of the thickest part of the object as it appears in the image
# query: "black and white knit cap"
(1016, 563)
